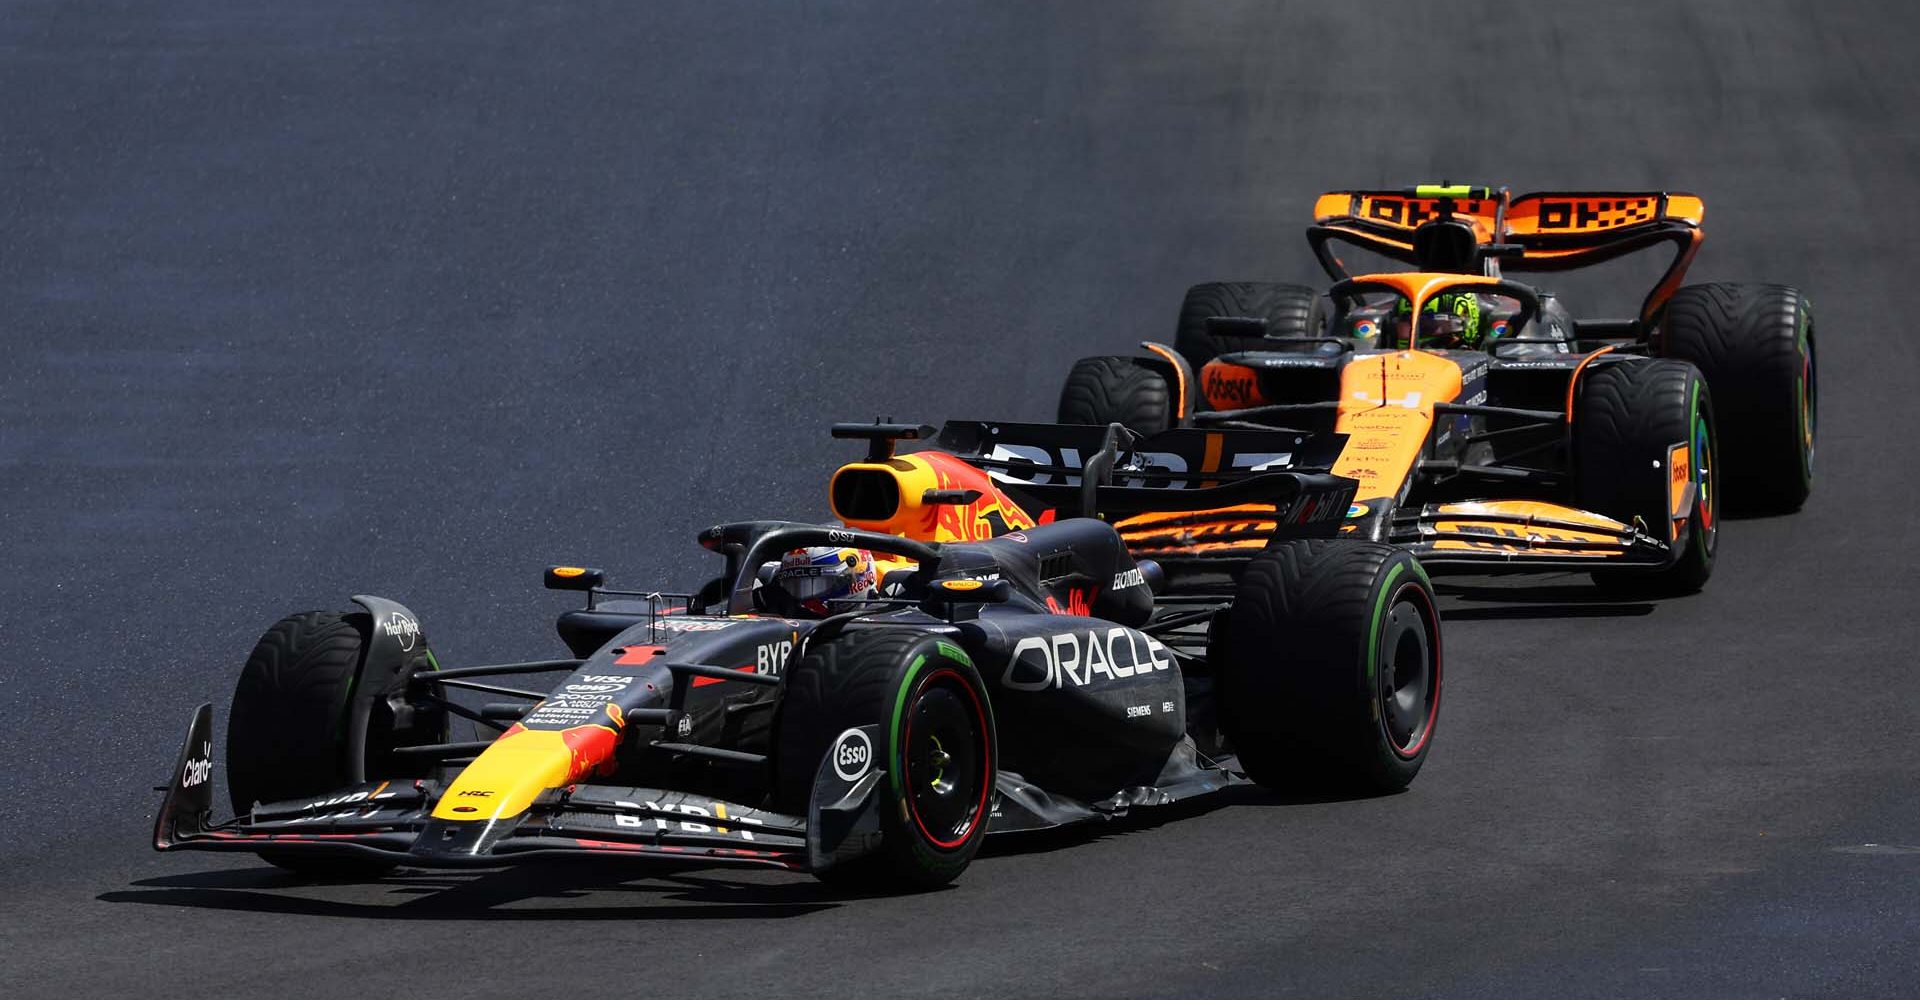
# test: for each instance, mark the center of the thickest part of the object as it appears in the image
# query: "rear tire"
(1117, 390)
(1290, 311)
(287, 729)
(937, 746)
(1629, 416)
(1755, 346)
(1328, 667)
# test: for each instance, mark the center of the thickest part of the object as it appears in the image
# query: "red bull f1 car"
(1005, 664)
(1487, 427)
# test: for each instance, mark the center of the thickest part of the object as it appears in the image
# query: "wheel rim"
(1409, 686)
(1809, 407)
(1707, 503)
(947, 760)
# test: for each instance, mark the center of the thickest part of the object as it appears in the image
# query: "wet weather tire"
(1629, 418)
(937, 749)
(1290, 311)
(1755, 346)
(1117, 390)
(286, 732)
(1328, 667)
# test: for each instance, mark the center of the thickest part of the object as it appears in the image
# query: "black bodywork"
(1099, 691)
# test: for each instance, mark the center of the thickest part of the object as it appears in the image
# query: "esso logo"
(852, 755)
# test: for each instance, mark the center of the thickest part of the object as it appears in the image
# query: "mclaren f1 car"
(1487, 426)
(1012, 668)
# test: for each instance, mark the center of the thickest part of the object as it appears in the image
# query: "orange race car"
(1485, 424)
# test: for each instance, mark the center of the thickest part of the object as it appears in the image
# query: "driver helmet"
(1449, 319)
(814, 576)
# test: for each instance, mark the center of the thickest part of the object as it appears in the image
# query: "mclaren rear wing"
(1541, 231)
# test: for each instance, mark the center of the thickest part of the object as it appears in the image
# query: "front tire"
(1329, 667)
(287, 729)
(1120, 390)
(1755, 346)
(1630, 417)
(938, 748)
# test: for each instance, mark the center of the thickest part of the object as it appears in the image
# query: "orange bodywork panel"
(1183, 393)
(1243, 526)
(1506, 535)
(1419, 286)
(1551, 214)
(1405, 212)
(1386, 409)
(1679, 480)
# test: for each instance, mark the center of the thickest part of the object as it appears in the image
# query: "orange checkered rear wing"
(1543, 231)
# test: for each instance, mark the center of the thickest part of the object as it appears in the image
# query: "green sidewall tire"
(286, 731)
(865, 677)
(1290, 311)
(1315, 644)
(1755, 345)
(1628, 415)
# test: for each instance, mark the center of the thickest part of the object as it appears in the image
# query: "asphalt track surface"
(300, 300)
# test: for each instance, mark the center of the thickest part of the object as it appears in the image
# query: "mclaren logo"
(1078, 658)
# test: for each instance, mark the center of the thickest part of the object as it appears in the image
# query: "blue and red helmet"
(813, 577)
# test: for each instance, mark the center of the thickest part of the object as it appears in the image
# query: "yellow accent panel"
(1386, 410)
(913, 476)
(507, 776)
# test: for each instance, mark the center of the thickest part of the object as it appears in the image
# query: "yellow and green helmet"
(1449, 319)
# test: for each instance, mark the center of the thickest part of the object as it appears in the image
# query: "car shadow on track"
(1478, 601)
(1142, 819)
(534, 892)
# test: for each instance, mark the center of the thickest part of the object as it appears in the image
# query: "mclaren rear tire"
(1109, 390)
(1328, 667)
(937, 748)
(1755, 346)
(1631, 422)
(1290, 311)
(287, 729)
